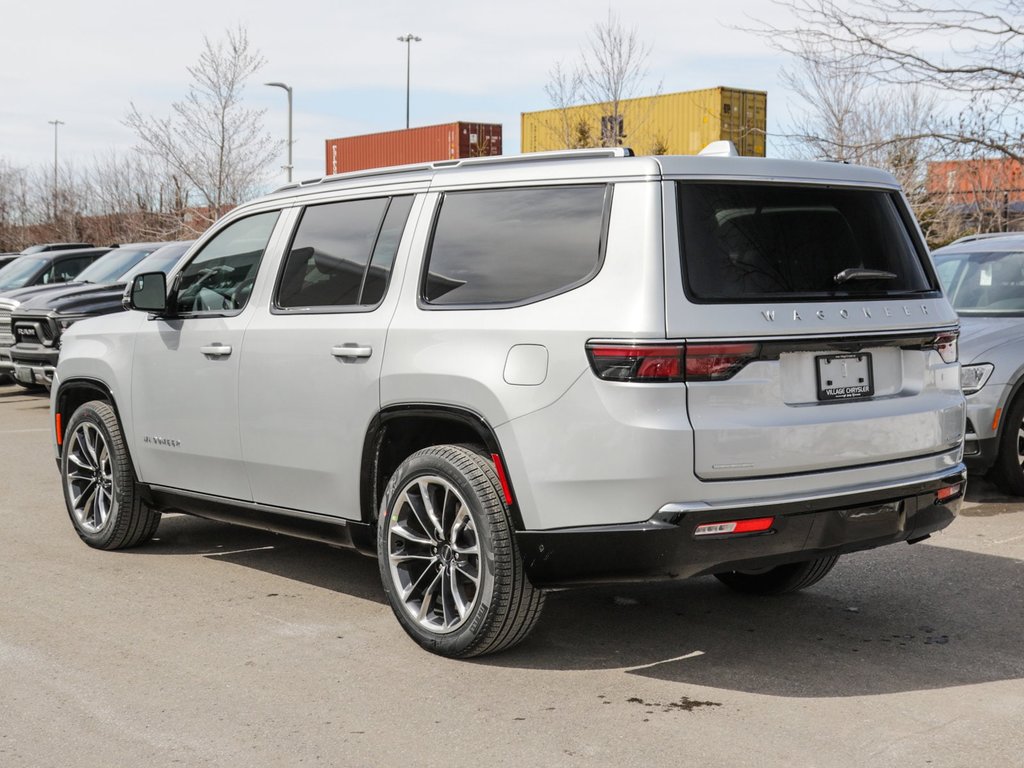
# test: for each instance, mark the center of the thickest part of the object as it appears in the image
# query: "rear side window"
(511, 246)
(343, 253)
(748, 242)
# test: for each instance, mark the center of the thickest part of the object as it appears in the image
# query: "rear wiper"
(859, 273)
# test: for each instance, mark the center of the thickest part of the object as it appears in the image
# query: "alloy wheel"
(90, 477)
(434, 554)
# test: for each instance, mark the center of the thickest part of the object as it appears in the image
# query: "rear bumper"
(665, 546)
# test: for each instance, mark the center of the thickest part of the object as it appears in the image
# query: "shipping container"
(413, 145)
(986, 181)
(668, 124)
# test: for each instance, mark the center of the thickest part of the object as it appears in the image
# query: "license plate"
(845, 377)
(24, 375)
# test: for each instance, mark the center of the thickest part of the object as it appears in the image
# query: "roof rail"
(986, 236)
(438, 165)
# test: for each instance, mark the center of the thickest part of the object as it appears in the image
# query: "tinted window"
(512, 245)
(20, 272)
(220, 277)
(109, 268)
(64, 270)
(983, 283)
(750, 241)
(342, 253)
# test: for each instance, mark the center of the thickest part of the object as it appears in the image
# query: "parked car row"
(42, 294)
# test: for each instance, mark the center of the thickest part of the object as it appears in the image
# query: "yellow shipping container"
(670, 124)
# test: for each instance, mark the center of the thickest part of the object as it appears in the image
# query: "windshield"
(749, 242)
(983, 283)
(160, 260)
(20, 272)
(109, 268)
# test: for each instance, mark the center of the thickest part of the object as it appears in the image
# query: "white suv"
(501, 376)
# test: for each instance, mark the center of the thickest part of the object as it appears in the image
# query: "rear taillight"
(669, 362)
(627, 362)
(945, 344)
(714, 362)
(755, 525)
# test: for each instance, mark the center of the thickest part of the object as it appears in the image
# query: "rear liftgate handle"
(349, 352)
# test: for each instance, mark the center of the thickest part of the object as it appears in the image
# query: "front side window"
(750, 242)
(342, 254)
(220, 277)
(65, 270)
(509, 246)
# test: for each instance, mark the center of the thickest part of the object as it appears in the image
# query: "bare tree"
(612, 68)
(971, 52)
(211, 141)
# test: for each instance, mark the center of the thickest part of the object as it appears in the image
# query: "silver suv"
(503, 376)
(984, 279)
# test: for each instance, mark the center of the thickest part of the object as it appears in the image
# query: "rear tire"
(448, 557)
(781, 579)
(1008, 471)
(100, 489)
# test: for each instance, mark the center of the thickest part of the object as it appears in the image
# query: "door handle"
(351, 350)
(216, 350)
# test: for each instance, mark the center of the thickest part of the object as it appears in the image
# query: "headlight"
(973, 377)
(66, 321)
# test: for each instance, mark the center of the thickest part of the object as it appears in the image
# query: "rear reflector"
(756, 525)
(60, 432)
(499, 469)
(947, 493)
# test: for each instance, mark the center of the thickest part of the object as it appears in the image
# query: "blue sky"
(83, 63)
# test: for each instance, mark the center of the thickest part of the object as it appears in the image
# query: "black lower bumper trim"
(983, 455)
(658, 550)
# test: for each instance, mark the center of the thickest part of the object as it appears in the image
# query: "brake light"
(714, 362)
(946, 345)
(648, 362)
(755, 525)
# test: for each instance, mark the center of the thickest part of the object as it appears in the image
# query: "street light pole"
(55, 123)
(408, 40)
(289, 89)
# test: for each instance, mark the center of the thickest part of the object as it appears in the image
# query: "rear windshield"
(749, 242)
(982, 282)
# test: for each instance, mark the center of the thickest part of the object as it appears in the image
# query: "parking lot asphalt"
(221, 646)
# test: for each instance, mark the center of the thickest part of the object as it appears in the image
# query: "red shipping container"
(414, 145)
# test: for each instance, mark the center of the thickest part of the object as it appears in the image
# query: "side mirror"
(147, 293)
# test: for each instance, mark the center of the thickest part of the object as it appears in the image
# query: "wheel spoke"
(89, 486)
(428, 507)
(77, 460)
(419, 515)
(429, 595)
(403, 531)
(471, 575)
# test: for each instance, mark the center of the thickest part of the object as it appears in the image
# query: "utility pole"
(289, 89)
(408, 40)
(55, 124)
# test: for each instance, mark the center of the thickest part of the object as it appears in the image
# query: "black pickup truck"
(37, 323)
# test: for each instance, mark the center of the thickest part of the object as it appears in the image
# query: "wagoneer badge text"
(905, 310)
(168, 441)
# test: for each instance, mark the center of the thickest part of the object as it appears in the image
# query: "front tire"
(781, 579)
(1008, 471)
(448, 557)
(100, 489)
